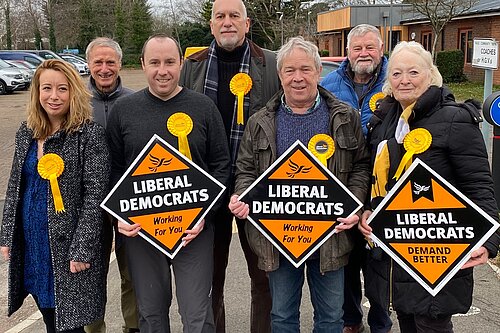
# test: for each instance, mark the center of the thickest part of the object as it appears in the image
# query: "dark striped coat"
(75, 234)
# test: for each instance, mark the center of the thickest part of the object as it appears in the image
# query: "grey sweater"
(102, 103)
(135, 118)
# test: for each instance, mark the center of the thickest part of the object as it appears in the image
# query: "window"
(427, 40)
(396, 38)
(465, 44)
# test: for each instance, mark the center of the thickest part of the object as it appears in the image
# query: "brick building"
(481, 21)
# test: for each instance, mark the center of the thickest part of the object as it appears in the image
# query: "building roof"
(482, 8)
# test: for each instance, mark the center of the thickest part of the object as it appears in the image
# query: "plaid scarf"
(210, 89)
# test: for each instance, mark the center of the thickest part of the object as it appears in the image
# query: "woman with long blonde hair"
(52, 223)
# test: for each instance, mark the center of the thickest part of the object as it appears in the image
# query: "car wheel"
(3, 87)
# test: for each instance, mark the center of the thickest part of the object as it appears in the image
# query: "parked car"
(338, 59)
(328, 66)
(45, 54)
(81, 64)
(11, 79)
(25, 56)
(24, 63)
(27, 72)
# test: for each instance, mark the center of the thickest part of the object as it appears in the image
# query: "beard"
(230, 43)
(361, 68)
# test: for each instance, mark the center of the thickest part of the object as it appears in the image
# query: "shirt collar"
(311, 109)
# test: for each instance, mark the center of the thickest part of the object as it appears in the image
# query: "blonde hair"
(80, 109)
(418, 49)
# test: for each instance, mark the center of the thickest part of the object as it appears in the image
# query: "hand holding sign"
(129, 230)
(346, 223)
(238, 208)
(193, 233)
(478, 257)
(363, 227)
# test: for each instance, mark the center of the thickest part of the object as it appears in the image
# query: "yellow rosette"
(321, 146)
(240, 85)
(374, 99)
(415, 142)
(51, 166)
(180, 125)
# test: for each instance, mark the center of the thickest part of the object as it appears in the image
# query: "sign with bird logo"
(165, 192)
(295, 203)
(428, 227)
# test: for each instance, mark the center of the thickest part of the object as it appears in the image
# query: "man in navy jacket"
(356, 81)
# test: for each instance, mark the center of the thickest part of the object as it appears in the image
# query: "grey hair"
(243, 7)
(417, 49)
(298, 43)
(105, 42)
(361, 30)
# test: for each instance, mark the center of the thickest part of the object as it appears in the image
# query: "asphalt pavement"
(484, 316)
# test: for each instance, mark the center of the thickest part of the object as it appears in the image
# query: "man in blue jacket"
(362, 74)
(356, 81)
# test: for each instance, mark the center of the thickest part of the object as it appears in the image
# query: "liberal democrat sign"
(428, 227)
(165, 192)
(296, 203)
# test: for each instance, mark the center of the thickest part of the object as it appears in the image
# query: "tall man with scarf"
(210, 72)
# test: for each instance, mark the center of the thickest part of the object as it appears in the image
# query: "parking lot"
(13, 112)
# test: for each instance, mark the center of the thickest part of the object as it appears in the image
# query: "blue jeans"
(327, 296)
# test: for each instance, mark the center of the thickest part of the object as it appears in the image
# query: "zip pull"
(390, 287)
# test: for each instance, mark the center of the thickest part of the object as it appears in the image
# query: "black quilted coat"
(457, 153)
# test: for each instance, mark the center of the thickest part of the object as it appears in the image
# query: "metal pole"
(390, 28)
(282, 32)
(485, 127)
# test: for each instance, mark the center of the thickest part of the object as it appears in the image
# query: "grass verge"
(466, 90)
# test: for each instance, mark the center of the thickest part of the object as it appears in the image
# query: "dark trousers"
(49, 318)
(151, 273)
(378, 317)
(260, 307)
(410, 323)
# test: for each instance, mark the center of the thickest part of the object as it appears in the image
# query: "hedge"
(451, 65)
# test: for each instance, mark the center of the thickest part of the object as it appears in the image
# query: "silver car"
(27, 72)
(11, 79)
(80, 63)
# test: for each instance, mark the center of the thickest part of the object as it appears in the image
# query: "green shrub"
(451, 65)
(131, 59)
(324, 53)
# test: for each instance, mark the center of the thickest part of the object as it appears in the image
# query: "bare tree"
(440, 12)
(5, 10)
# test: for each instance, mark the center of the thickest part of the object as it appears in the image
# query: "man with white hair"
(299, 112)
(104, 57)
(356, 81)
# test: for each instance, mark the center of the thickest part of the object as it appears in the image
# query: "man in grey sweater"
(132, 122)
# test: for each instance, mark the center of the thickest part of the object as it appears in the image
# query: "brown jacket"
(350, 164)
